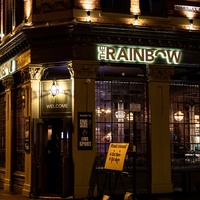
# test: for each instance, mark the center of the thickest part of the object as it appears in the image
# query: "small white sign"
(135, 107)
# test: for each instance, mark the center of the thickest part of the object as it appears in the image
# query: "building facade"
(78, 75)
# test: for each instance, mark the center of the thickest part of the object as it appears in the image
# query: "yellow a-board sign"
(116, 156)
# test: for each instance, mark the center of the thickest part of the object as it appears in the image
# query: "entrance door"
(52, 158)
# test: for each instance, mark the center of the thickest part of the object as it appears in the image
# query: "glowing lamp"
(178, 116)
(54, 89)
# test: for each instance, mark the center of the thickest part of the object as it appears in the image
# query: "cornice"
(85, 33)
(90, 34)
(14, 46)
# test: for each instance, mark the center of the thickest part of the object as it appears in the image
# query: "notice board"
(116, 156)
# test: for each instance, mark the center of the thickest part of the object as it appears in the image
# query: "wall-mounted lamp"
(178, 116)
(88, 16)
(191, 23)
(54, 89)
(26, 20)
(136, 16)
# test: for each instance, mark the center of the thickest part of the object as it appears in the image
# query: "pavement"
(175, 196)
(10, 196)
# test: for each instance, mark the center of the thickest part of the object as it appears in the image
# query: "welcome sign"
(59, 105)
(138, 54)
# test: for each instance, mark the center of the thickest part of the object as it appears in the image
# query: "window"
(19, 12)
(117, 119)
(184, 131)
(152, 7)
(118, 6)
(11, 15)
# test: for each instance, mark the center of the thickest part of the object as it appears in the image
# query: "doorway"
(52, 158)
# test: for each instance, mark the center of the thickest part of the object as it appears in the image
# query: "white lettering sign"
(7, 68)
(59, 105)
(86, 144)
(135, 54)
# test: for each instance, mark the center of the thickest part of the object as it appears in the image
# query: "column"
(83, 74)
(32, 75)
(8, 84)
(159, 105)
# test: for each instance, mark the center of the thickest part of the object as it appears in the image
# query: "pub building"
(78, 75)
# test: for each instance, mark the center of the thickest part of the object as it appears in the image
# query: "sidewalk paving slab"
(4, 195)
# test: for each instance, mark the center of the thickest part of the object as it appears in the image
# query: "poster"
(116, 156)
(85, 131)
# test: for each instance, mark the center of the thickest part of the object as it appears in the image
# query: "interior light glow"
(130, 116)
(178, 116)
(99, 111)
(120, 114)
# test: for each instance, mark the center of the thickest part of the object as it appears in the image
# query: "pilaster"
(83, 74)
(8, 83)
(159, 105)
(31, 75)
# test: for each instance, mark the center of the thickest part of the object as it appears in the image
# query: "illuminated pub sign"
(59, 104)
(135, 54)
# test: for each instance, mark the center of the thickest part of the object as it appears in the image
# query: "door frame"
(39, 142)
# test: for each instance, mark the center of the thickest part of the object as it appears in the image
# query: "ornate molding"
(35, 72)
(8, 82)
(13, 47)
(49, 6)
(25, 73)
(159, 73)
(84, 34)
(127, 35)
(83, 69)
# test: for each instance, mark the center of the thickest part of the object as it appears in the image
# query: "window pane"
(117, 122)
(120, 6)
(184, 126)
(153, 7)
